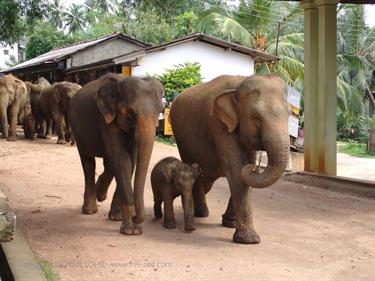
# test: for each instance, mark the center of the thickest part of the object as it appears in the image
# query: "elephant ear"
(106, 99)
(168, 171)
(224, 108)
(20, 89)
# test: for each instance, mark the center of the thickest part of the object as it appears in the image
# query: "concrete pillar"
(320, 86)
(311, 145)
(327, 86)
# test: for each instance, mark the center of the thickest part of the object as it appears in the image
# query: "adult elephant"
(54, 103)
(13, 97)
(35, 92)
(115, 118)
(219, 125)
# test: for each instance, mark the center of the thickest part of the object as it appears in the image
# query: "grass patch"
(166, 139)
(355, 149)
(47, 270)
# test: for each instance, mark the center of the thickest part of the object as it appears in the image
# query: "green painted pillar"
(327, 134)
(311, 125)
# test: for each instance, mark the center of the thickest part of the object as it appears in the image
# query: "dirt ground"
(307, 233)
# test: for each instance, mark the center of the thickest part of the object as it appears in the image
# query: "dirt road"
(307, 233)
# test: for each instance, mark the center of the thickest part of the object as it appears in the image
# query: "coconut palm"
(268, 26)
(56, 12)
(75, 18)
(356, 64)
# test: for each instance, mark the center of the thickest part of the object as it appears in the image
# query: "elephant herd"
(37, 106)
(218, 126)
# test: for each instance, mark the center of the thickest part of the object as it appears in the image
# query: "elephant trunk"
(188, 206)
(145, 136)
(277, 148)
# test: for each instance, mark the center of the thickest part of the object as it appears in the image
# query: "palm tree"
(56, 12)
(356, 65)
(75, 18)
(268, 26)
(103, 6)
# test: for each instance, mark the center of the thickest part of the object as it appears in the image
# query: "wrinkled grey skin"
(171, 178)
(13, 97)
(114, 118)
(54, 104)
(29, 124)
(220, 125)
(35, 91)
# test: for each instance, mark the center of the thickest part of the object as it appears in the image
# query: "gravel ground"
(307, 233)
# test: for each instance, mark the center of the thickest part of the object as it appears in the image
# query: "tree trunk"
(7, 221)
(371, 142)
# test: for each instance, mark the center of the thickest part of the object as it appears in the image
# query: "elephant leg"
(104, 181)
(68, 129)
(13, 111)
(89, 198)
(4, 121)
(229, 217)
(241, 198)
(59, 121)
(115, 213)
(48, 129)
(157, 207)
(121, 164)
(169, 218)
(202, 185)
(42, 127)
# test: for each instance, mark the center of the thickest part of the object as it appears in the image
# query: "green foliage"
(44, 38)
(17, 16)
(166, 139)
(181, 77)
(355, 149)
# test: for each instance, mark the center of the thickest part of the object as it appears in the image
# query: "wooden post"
(7, 221)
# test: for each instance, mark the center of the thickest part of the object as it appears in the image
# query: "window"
(6, 52)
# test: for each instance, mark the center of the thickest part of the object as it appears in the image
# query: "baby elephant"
(169, 179)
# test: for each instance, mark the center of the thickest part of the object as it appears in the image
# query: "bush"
(176, 80)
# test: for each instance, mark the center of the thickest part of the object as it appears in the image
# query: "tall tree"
(16, 15)
(75, 18)
(265, 25)
(356, 65)
(56, 13)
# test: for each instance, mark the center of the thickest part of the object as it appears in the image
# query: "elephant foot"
(201, 211)
(158, 213)
(41, 136)
(61, 141)
(12, 138)
(48, 137)
(115, 215)
(169, 224)
(229, 221)
(89, 209)
(246, 236)
(130, 228)
(189, 228)
(101, 196)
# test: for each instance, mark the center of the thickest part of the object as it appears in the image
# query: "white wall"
(13, 51)
(214, 60)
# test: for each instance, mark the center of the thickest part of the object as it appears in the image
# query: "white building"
(216, 57)
(10, 54)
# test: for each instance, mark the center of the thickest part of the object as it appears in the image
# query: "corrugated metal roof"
(258, 56)
(59, 54)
